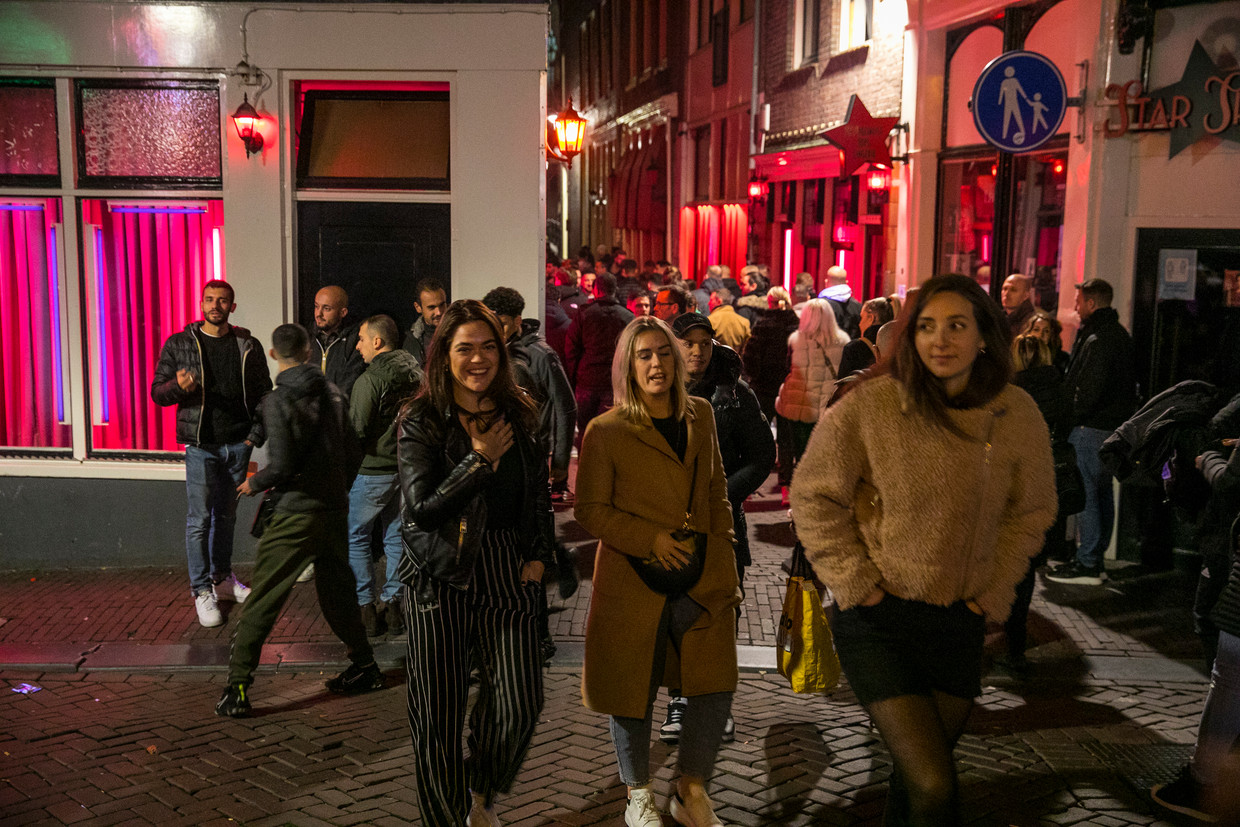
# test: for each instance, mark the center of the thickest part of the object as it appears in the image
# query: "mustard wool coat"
(630, 486)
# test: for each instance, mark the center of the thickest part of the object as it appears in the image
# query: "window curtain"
(32, 401)
(146, 264)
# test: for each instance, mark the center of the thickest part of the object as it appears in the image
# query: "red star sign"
(862, 138)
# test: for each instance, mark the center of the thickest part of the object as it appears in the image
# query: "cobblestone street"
(121, 730)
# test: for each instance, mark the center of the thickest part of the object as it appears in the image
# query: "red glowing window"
(33, 333)
(28, 153)
(144, 265)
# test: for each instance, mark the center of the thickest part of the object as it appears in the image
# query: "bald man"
(1017, 298)
(334, 346)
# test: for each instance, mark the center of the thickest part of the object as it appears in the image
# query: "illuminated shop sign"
(1204, 102)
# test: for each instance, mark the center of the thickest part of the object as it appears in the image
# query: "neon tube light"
(787, 255)
(216, 261)
(21, 207)
(174, 210)
(101, 294)
(53, 270)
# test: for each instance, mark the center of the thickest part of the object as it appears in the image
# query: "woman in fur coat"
(921, 497)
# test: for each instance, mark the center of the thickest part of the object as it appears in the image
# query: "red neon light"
(1058, 167)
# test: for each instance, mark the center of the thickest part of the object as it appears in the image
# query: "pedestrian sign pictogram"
(1019, 101)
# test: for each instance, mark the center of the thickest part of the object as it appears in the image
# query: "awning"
(799, 164)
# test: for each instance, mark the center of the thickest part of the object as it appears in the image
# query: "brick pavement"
(1114, 705)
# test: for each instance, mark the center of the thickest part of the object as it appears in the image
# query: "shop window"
(805, 44)
(374, 139)
(148, 134)
(144, 265)
(966, 224)
(856, 23)
(33, 404)
(1037, 222)
(28, 137)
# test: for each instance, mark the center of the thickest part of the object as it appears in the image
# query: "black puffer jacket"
(557, 416)
(183, 351)
(766, 352)
(1045, 385)
(745, 441)
(1102, 379)
(311, 452)
(443, 484)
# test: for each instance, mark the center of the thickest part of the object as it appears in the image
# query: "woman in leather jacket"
(477, 531)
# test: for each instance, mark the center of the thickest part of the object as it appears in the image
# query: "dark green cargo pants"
(288, 544)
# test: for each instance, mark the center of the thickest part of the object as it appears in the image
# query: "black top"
(676, 432)
(503, 493)
(225, 419)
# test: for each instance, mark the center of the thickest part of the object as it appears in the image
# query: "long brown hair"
(436, 390)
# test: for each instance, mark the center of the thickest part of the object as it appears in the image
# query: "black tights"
(921, 733)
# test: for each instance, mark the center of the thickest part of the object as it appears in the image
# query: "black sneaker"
(729, 730)
(565, 571)
(235, 703)
(669, 733)
(1077, 575)
(1184, 795)
(546, 648)
(357, 679)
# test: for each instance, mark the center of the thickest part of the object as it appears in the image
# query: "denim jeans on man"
(1094, 523)
(212, 474)
(374, 497)
(1220, 717)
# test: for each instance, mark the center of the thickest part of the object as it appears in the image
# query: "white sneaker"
(698, 811)
(307, 574)
(230, 588)
(208, 609)
(641, 810)
(480, 815)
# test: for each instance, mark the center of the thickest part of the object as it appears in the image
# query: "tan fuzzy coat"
(956, 520)
(630, 486)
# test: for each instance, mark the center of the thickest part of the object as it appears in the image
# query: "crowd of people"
(915, 438)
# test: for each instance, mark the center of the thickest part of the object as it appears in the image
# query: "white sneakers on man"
(307, 574)
(230, 588)
(641, 810)
(208, 608)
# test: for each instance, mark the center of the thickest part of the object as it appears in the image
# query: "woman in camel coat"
(639, 463)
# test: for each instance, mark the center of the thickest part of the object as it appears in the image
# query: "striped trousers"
(491, 627)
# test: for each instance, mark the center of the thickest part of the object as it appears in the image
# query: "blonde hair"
(818, 323)
(1029, 351)
(624, 388)
(777, 297)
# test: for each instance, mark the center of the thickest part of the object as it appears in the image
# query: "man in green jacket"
(391, 377)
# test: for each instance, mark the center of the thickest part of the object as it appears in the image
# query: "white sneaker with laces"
(208, 609)
(307, 574)
(230, 588)
(641, 810)
(480, 815)
(697, 811)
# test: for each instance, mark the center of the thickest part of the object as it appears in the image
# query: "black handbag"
(1069, 484)
(262, 517)
(674, 582)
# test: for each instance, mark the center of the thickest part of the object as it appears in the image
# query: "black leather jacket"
(443, 512)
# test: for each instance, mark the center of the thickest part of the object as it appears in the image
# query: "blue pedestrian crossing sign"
(1019, 101)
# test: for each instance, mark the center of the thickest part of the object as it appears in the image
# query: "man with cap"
(745, 444)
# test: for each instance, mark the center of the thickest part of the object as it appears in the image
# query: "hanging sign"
(1177, 274)
(1019, 101)
(1203, 103)
(862, 138)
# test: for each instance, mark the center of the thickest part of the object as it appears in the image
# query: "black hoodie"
(311, 452)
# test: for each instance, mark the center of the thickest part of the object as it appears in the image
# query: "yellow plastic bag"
(804, 648)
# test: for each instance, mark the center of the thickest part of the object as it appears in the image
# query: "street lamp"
(566, 132)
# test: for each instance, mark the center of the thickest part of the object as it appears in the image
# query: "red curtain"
(32, 398)
(146, 265)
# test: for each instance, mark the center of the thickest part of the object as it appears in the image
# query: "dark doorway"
(376, 251)
(1175, 340)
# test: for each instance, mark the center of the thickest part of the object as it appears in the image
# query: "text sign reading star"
(1019, 101)
(861, 138)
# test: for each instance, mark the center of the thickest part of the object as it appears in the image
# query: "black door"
(377, 252)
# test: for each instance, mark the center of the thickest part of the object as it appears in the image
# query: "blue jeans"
(1094, 523)
(212, 474)
(704, 719)
(1220, 718)
(374, 497)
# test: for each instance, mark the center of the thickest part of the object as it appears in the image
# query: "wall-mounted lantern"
(566, 133)
(246, 119)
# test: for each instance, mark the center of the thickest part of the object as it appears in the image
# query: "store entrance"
(1176, 339)
(376, 251)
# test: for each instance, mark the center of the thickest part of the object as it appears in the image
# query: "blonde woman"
(814, 352)
(646, 466)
